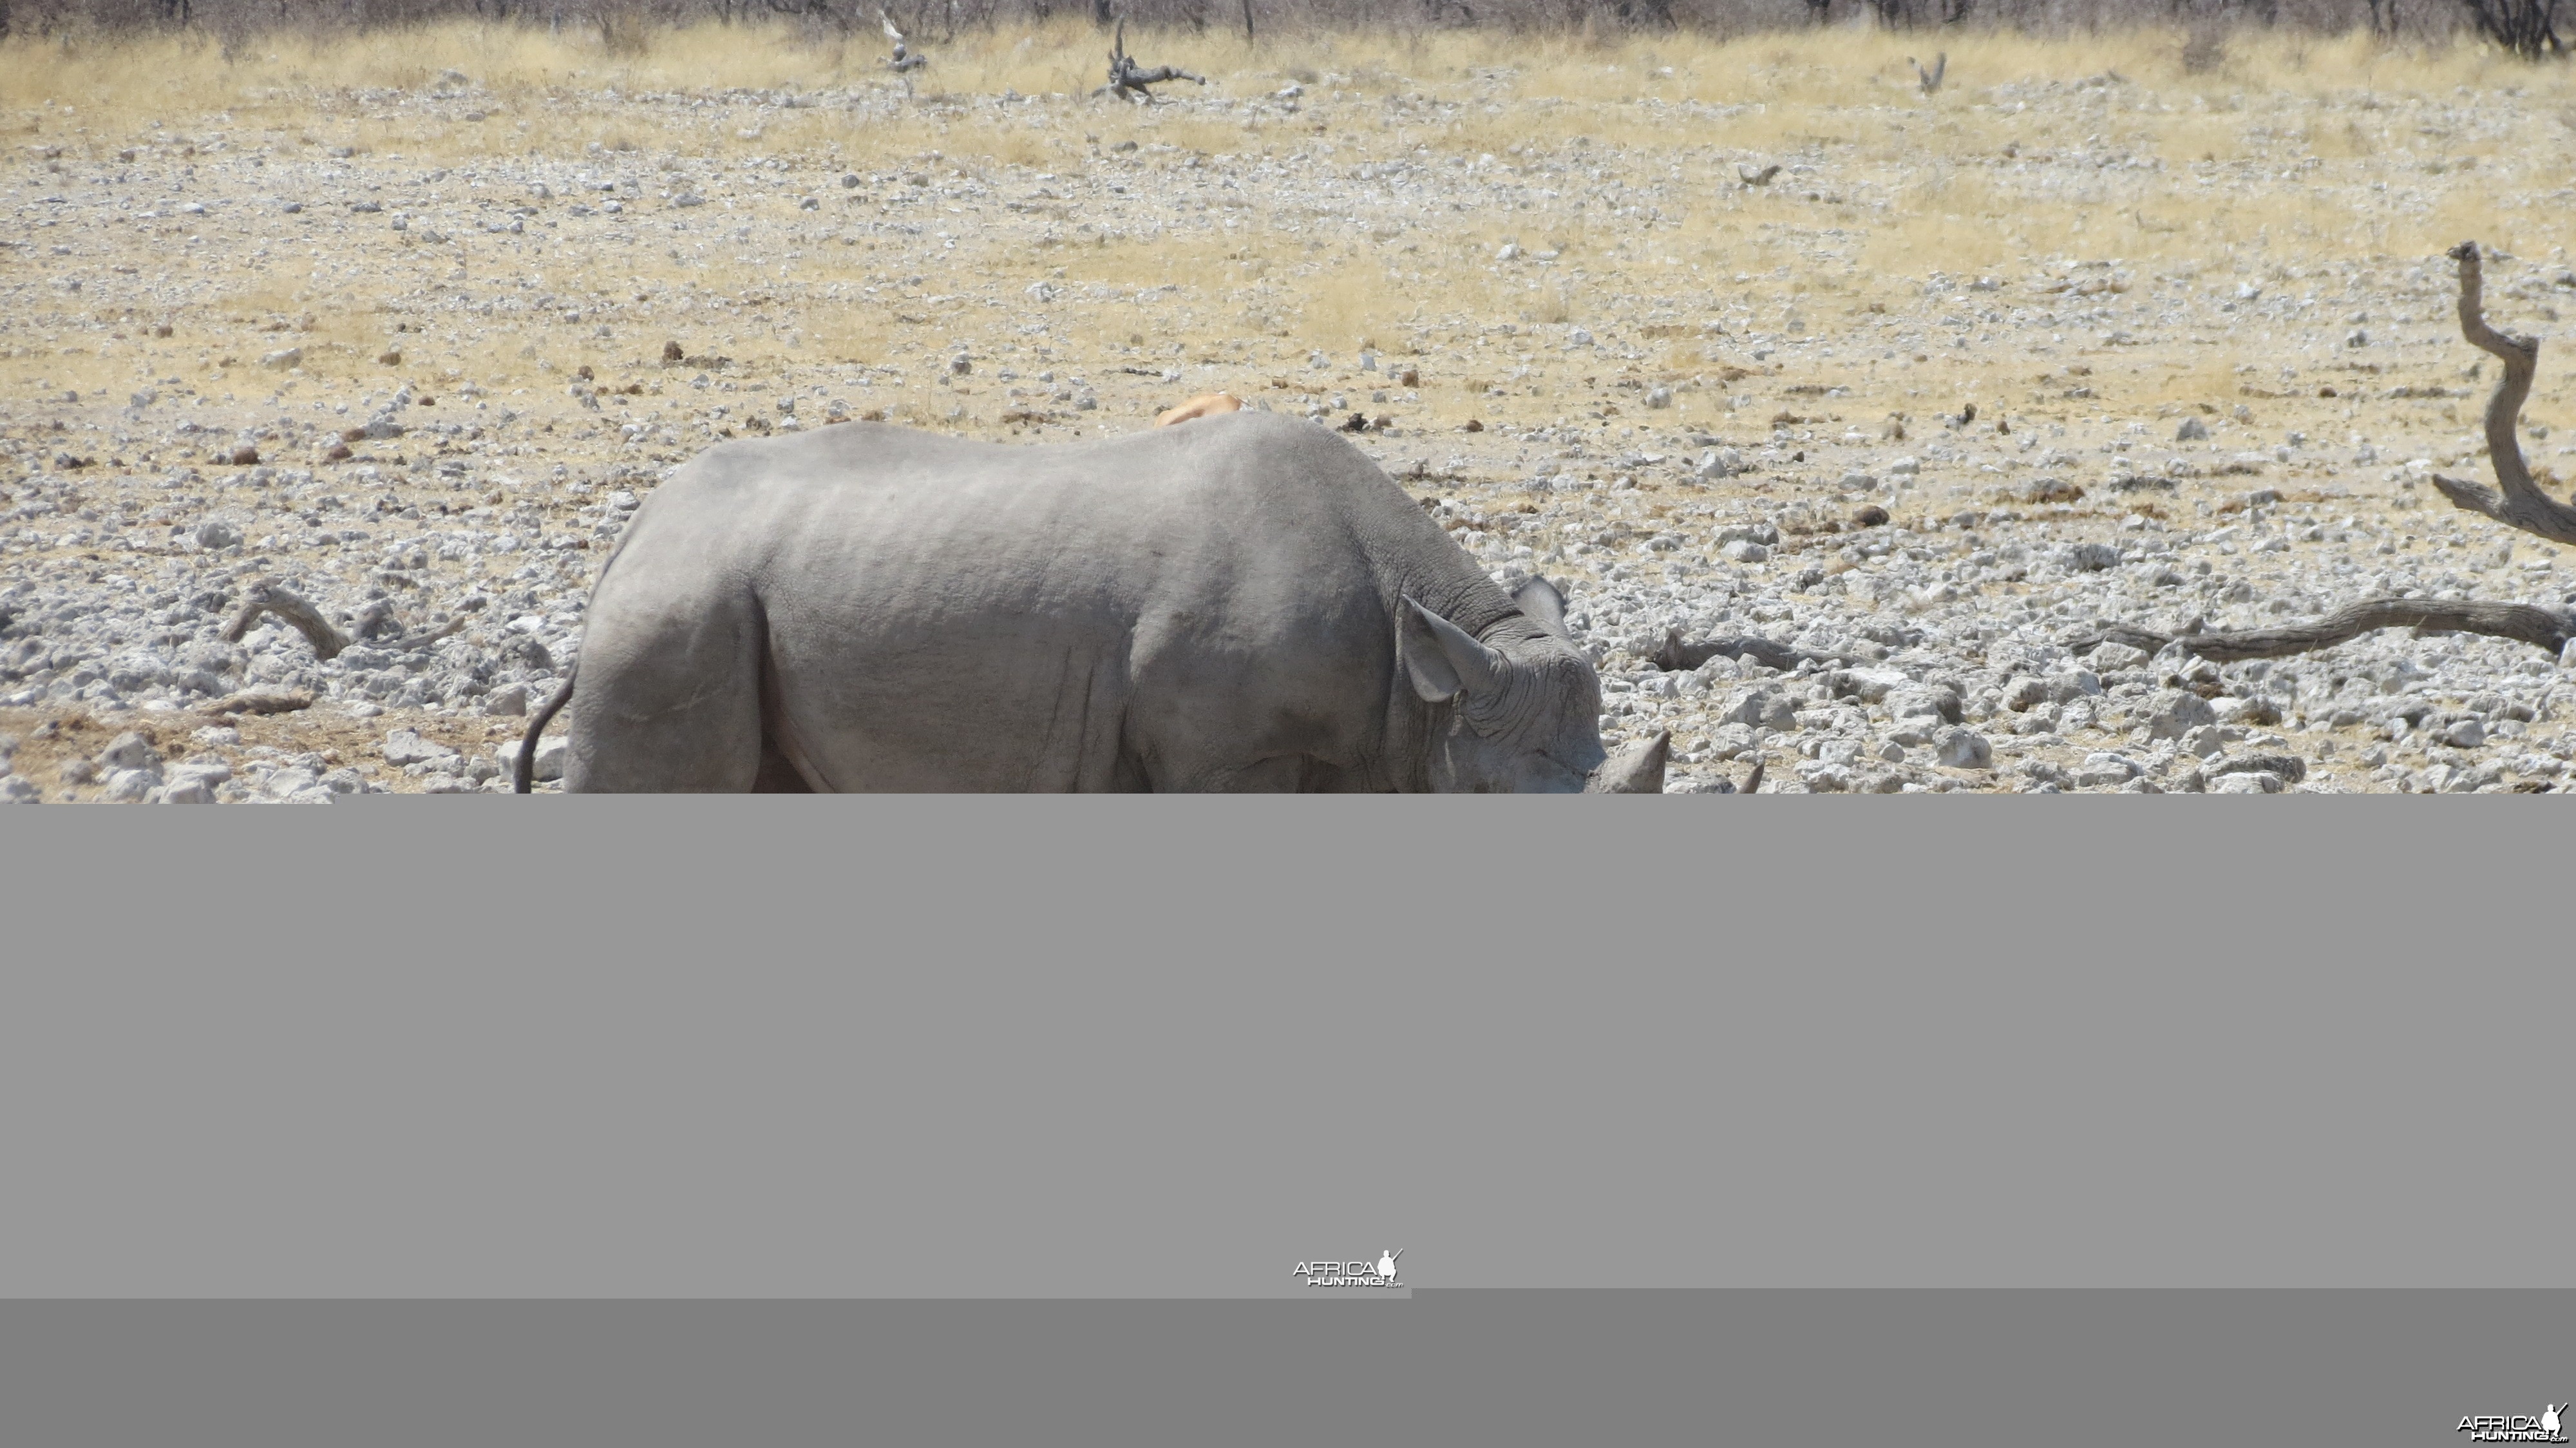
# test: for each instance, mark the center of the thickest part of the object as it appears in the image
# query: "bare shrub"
(2526, 27)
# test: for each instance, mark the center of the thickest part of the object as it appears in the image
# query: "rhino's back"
(1224, 501)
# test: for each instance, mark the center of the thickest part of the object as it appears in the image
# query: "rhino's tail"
(523, 770)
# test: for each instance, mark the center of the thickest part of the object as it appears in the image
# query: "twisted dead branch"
(269, 596)
(1931, 79)
(2521, 505)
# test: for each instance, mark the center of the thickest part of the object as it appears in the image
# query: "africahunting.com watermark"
(2545, 1427)
(1380, 1273)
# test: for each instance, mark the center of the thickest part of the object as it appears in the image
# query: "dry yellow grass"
(1923, 184)
(1803, 95)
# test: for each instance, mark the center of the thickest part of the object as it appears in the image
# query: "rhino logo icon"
(1386, 1263)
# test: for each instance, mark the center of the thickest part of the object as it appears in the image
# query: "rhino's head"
(1524, 712)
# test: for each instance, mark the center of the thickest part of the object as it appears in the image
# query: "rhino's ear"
(1545, 606)
(1443, 659)
(1637, 769)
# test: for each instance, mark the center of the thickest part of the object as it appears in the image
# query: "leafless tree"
(1129, 81)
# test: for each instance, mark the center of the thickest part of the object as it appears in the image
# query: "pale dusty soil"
(1548, 344)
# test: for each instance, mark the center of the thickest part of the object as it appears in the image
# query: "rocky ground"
(1888, 406)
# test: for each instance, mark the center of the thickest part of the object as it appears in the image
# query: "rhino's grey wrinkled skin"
(1242, 603)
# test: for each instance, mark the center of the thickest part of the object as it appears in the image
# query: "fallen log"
(2522, 622)
(1678, 656)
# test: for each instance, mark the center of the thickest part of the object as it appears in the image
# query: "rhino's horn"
(1443, 659)
(1637, 769)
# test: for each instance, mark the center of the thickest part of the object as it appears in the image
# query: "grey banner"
(1169, 1048)
(2099, 1369)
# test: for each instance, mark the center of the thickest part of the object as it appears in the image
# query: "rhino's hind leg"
(668, 701)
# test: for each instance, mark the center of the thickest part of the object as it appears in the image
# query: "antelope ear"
(1442, 659)
(1545, 606)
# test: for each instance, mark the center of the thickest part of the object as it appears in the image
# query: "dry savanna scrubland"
(2087, 333)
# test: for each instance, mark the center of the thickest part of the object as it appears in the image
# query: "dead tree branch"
(1129, 81)
(2522, 505)
(1930, 79)
(1751, 177)
(2523, 623)
(447, 630)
